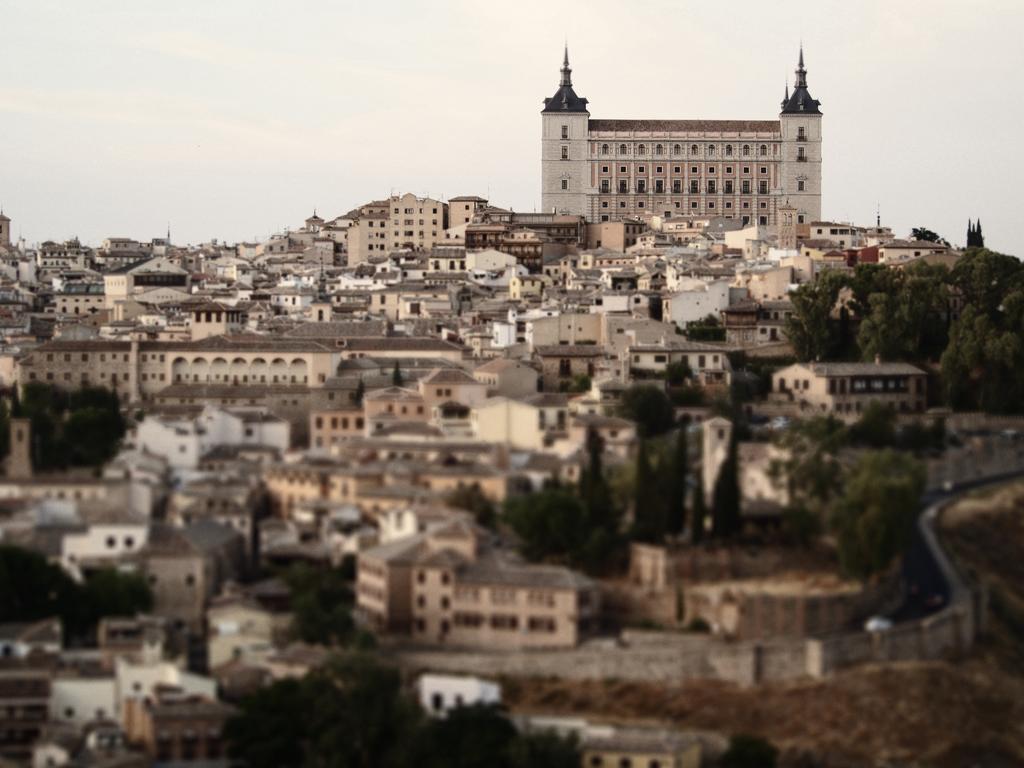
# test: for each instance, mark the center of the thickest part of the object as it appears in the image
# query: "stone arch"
(278, 370)
(180, 369)
(219, 369)
(258, 370)
(298, 371)
(200, 369)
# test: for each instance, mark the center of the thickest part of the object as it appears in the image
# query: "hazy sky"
(234, 118)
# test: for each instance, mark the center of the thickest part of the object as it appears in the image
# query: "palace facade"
(746, 169)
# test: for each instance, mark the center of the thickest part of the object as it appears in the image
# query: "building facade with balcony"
(606, 170)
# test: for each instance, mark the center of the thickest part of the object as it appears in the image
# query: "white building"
(440, 694)
(184, 440)
(694, 300)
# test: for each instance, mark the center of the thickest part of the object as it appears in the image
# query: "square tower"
(565, 124)
(800, 123)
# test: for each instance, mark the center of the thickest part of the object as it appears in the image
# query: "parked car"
(878, 624)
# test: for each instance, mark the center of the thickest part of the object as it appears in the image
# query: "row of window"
(507, 622)
(711, 187)
(710, 150)
(343, 422)
(711, 205)
(694, 169)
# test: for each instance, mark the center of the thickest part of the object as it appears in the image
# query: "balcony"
(801, 137)
(801, 158)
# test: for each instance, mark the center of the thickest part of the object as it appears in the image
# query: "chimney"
(19, 462)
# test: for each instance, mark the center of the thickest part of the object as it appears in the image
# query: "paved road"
(925, 589)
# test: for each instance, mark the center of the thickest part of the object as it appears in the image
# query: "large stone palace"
(612, 169)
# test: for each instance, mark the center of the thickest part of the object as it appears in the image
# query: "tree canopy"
(83, 427)
(873, 519)
(32, 589)
(354, 713)
(970, 319)
(649, 407)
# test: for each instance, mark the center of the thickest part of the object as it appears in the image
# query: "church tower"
(800, 122)
(565, 181)
(5, 230)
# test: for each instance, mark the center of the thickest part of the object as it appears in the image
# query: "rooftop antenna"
(878, 215)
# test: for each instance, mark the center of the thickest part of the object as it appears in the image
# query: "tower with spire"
(5, 230)
(565, 181)
(800, 125)
(612, 169)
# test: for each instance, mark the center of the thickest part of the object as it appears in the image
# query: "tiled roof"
(688, 126)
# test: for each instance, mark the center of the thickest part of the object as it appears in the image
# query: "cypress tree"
(725, 512)
(699, 514)
(360, 391)
(648, 523)
(675, 493)
(396, 376)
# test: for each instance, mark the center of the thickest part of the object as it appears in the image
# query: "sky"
(234, 119)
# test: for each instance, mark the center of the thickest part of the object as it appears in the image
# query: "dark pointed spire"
(565, 99)
(801, 72)
(785, 95)
(801, 99)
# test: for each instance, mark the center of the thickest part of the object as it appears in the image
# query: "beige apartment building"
(461, 210)
(606, 170)
(846, 389)
(444, 587)
(401, 221)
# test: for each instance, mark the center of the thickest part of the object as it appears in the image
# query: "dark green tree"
(812, 329)
(351, 713)
(396, 376)
(112, 593)
(811, 474)
(649, 407)
(699, 512)
(926, 235)
(725, 510)
(321, 601)
(469, 737)
(550, 524)
(906, 321)
(648, 509)
(32, 589)
(676, 471)
(749, 752)
(5, 429)
(876, 428)
(357, 396)
(874, 518)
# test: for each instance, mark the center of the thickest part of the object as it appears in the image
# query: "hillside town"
(406, 467)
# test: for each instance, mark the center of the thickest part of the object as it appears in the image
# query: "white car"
(779, 423)
(877, 624)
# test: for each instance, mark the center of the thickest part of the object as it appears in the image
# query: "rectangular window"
(565, 153)
(565, 131)
(565, 184)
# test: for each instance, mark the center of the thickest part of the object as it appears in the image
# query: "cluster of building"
(330, 393)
